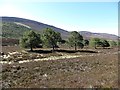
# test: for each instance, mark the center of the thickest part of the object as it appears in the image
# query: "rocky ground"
(86, 70)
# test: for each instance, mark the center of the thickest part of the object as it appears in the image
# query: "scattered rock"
(1, 53)
(18, 67)
(36, 68)
(45, 75)
(13, 53)
(6, 84)
(6, 56)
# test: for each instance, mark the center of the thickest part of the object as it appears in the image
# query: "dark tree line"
(50, 38)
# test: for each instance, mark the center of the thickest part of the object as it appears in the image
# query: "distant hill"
(14, 27)
(34, 25)
(89, 35)
(13, 30)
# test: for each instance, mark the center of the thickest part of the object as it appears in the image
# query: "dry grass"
(83, 72)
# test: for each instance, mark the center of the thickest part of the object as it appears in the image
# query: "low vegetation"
(90, 70)
(96, 42)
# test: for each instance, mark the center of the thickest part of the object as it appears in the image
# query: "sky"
(93, 16)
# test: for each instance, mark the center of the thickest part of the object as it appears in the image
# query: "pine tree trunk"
(53, 48)
(75, 47)
(95, 47)
(31, 49)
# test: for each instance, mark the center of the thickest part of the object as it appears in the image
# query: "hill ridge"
(38, 26)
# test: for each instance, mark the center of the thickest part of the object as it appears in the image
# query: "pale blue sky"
(72, 16)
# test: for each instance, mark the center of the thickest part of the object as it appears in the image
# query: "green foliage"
(86, 42)
(12, 30)
(75, 40)
(30, 39)
(80, 45)
(63, 41)
(50, 38)
(113, 43)
(118, 43)
(104, 43)
(94, 42)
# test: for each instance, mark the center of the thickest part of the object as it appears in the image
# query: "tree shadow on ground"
(63, 51)
(42, 51)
